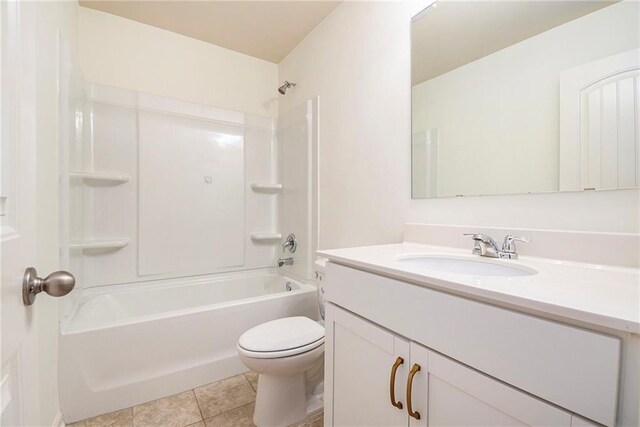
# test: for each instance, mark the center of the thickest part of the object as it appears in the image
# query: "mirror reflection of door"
(526, 97)
(599, 116)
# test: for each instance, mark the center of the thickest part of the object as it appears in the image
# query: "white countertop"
(596, 294)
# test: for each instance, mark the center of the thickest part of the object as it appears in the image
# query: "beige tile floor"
(226, 403)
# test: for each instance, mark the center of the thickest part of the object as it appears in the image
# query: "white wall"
(53, 18)
(123, 53)
(358, 61)
(502, 111)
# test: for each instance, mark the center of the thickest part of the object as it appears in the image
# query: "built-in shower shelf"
(101, 178)
(265, 237)
(100, 244)
(265, 188)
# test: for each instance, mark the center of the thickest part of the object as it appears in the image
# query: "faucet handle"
(290, 243)
(509, 243)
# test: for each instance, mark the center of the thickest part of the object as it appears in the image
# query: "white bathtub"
(127, 344)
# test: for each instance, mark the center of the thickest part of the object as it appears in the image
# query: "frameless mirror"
(525, 97)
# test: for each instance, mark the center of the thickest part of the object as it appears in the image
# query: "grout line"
(251, 385)
(228, 410)
(193, 390)
(233, 409)
(133, 418)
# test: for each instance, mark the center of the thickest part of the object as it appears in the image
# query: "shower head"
(283, 89)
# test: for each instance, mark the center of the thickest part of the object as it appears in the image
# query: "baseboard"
(58, 421)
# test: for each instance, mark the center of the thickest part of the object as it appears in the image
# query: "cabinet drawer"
(568, 366)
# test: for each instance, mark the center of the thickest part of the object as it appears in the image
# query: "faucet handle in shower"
(290, 243)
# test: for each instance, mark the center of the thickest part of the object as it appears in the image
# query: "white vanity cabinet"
(365, 356)
(447, 393)
(381, 379)
(462, 362)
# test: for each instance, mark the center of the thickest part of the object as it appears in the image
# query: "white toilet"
(288, 355)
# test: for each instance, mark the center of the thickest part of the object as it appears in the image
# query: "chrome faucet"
(290, 243)
(285, 261)
(509, 246)
(484, 245)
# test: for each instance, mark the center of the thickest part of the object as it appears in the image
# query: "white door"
(17, 188)
(600, 124)
(447, 393)
(365, 358)
(25, 356)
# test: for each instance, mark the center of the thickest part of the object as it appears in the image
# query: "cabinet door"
(360, 359)
(447, 393)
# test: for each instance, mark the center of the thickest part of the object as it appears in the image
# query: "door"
(447, 393)
(599, 122)
(28, 230)
(368, 370)
(17, 209)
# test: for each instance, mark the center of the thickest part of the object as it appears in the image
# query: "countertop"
(605, 296)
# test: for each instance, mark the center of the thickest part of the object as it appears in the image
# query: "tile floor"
(226, 403)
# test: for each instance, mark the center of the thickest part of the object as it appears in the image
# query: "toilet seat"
(281, 338)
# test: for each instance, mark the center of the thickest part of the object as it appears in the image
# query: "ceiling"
(264, 29)
(456, 33)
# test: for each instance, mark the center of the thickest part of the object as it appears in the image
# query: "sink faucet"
(285, 261)
(484, 245)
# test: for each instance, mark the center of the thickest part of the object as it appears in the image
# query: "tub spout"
(285, 261)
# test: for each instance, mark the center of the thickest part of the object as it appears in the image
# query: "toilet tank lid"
(282, 334)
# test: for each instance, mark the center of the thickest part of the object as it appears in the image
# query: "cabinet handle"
(392, 383)
(412, 373)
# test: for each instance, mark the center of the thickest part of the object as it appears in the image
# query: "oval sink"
(448, 264)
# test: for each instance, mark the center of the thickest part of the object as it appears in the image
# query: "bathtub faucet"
(285, 261)
(290, 243)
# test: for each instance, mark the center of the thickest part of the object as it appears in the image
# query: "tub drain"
(288, 286)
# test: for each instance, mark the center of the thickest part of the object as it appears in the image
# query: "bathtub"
(128, 344)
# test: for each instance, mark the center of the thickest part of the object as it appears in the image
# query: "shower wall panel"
(191, 195)
(161, 188)
(297, 204)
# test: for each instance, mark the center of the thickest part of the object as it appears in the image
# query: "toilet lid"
(282, 334)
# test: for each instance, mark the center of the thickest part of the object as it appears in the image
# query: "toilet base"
(283, 400)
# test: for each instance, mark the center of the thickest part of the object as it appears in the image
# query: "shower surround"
(173, 215)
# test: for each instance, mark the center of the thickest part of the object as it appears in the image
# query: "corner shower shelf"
(265, 237)
(96, 178)
(100, 244)
(265, 188)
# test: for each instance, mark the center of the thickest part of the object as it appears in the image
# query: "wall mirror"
(514, 97)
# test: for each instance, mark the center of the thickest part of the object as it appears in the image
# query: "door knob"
(57, 284)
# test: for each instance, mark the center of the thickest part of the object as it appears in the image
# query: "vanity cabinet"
(364, 358)
(447, 393)
(395, 349)
(381, 379)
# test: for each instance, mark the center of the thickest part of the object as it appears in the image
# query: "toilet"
(288, 355)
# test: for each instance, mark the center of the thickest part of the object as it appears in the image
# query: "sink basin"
(472, 267)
